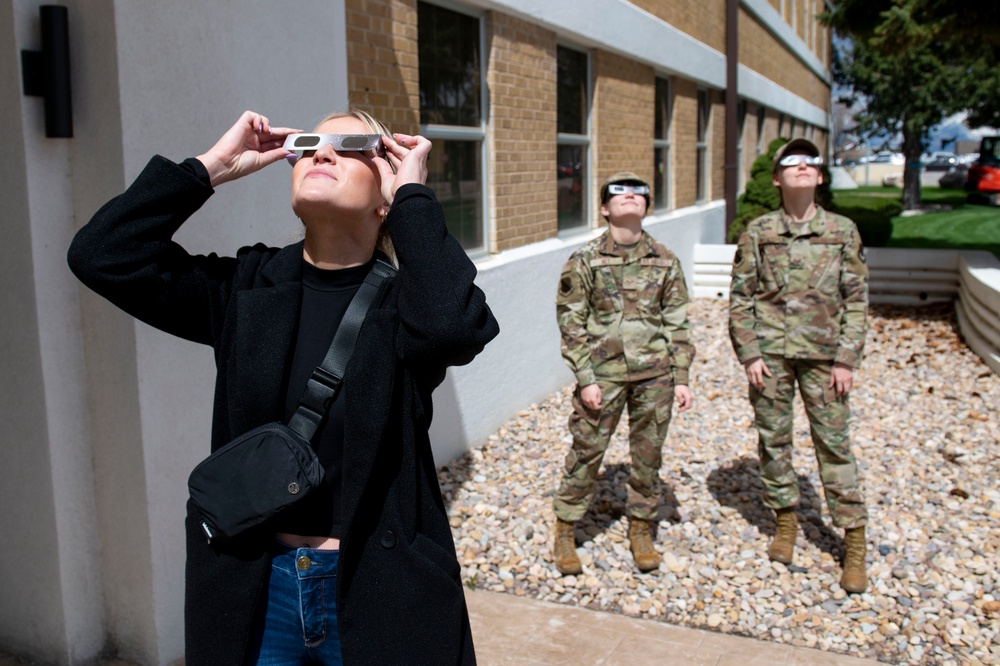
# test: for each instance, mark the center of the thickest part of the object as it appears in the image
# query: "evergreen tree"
(911, 63)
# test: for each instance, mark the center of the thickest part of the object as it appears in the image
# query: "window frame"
(761, 124)
(741, 117)
(584, 140)
(704, 121)
(664, 143)
(469, 133)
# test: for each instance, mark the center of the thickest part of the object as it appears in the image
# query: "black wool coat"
(399, 594)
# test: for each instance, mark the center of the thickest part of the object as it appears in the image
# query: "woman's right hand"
(249, 145)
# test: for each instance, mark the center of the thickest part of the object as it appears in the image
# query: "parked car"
(887, 157)
(938, 160)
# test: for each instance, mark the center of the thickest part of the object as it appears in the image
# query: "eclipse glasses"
(795, 160)
(301, 144)
(618, 188)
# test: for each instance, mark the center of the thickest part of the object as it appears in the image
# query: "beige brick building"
(530, 104)
(410, 61)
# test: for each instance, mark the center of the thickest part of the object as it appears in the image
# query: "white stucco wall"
(102, 417)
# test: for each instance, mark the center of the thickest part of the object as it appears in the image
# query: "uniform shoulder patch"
(566, 285)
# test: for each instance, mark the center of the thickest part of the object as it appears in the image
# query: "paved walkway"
(511, 630)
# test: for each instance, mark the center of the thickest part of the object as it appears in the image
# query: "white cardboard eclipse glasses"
(796, 159)
(300, 144)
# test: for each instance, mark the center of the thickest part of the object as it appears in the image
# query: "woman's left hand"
(409, 155)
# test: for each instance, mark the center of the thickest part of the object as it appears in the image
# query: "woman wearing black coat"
(364, 570)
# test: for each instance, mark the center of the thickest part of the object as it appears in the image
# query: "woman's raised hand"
(408, 154)
(249, 145)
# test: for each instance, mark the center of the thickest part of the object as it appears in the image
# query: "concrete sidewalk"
(511, 630)
(514, 630)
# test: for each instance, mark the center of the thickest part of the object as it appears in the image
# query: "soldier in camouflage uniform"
(797, 309)
(622, 310)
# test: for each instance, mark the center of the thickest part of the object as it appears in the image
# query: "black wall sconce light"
(45, 73)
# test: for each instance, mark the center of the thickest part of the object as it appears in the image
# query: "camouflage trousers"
(828, 424)
(649, 407)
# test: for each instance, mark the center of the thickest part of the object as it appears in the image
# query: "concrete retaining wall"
(901, 276)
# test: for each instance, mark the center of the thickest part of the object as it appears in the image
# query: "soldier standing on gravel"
(622, 310)
(797, 311)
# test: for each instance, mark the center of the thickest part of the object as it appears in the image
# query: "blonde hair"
(374, 126)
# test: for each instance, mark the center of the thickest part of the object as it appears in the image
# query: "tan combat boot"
(646, 557)
(854, 578)
(783, 545)
(564, 549)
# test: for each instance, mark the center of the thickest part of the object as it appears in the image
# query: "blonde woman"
(363, 570)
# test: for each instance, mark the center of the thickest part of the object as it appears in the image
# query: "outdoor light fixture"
(45, 73)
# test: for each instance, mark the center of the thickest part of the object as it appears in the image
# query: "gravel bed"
(926, 433)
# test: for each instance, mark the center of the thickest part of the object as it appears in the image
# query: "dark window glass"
(571, 91)
(453, 174)
(761, 118)
(448, 48)
(661, 149)
(570, 181)
(662, 121)
(702, 114)
(660, 167)
(701, 184)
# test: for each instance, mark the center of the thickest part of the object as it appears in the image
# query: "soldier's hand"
(590, 396)
(683, 397)
(756, 371)
(841, 378)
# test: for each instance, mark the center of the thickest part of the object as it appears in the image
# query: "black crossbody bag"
(266, 470)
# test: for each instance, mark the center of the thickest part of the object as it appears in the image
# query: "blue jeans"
(297, 624)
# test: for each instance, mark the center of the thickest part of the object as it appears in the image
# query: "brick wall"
(522, 81)
(761, 52)
(705, 20)
(383, 76)
(622, 119)
(382, 65)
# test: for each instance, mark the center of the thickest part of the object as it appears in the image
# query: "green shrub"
(873, 215)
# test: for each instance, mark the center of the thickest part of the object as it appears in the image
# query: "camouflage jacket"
(799, 295)
(623, 315)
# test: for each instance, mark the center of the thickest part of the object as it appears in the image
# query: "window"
(661, 146)
(791, 131)
(741, 116)
(572, 139)
(701, 162)
(451, 114)
(781, 125)
(761, 119)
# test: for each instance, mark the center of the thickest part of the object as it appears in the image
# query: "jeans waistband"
(305, 562)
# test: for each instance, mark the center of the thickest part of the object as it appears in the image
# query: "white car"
(887, 157)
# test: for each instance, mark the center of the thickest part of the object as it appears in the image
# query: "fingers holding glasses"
(408, 155)
(249, 145)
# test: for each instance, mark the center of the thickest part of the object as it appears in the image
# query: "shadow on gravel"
(610, 502)
(737, 485)
(455, 473)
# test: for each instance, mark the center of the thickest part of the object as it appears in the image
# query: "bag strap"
(325, 381)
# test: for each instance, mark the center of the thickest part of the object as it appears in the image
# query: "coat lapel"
(267, 319)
